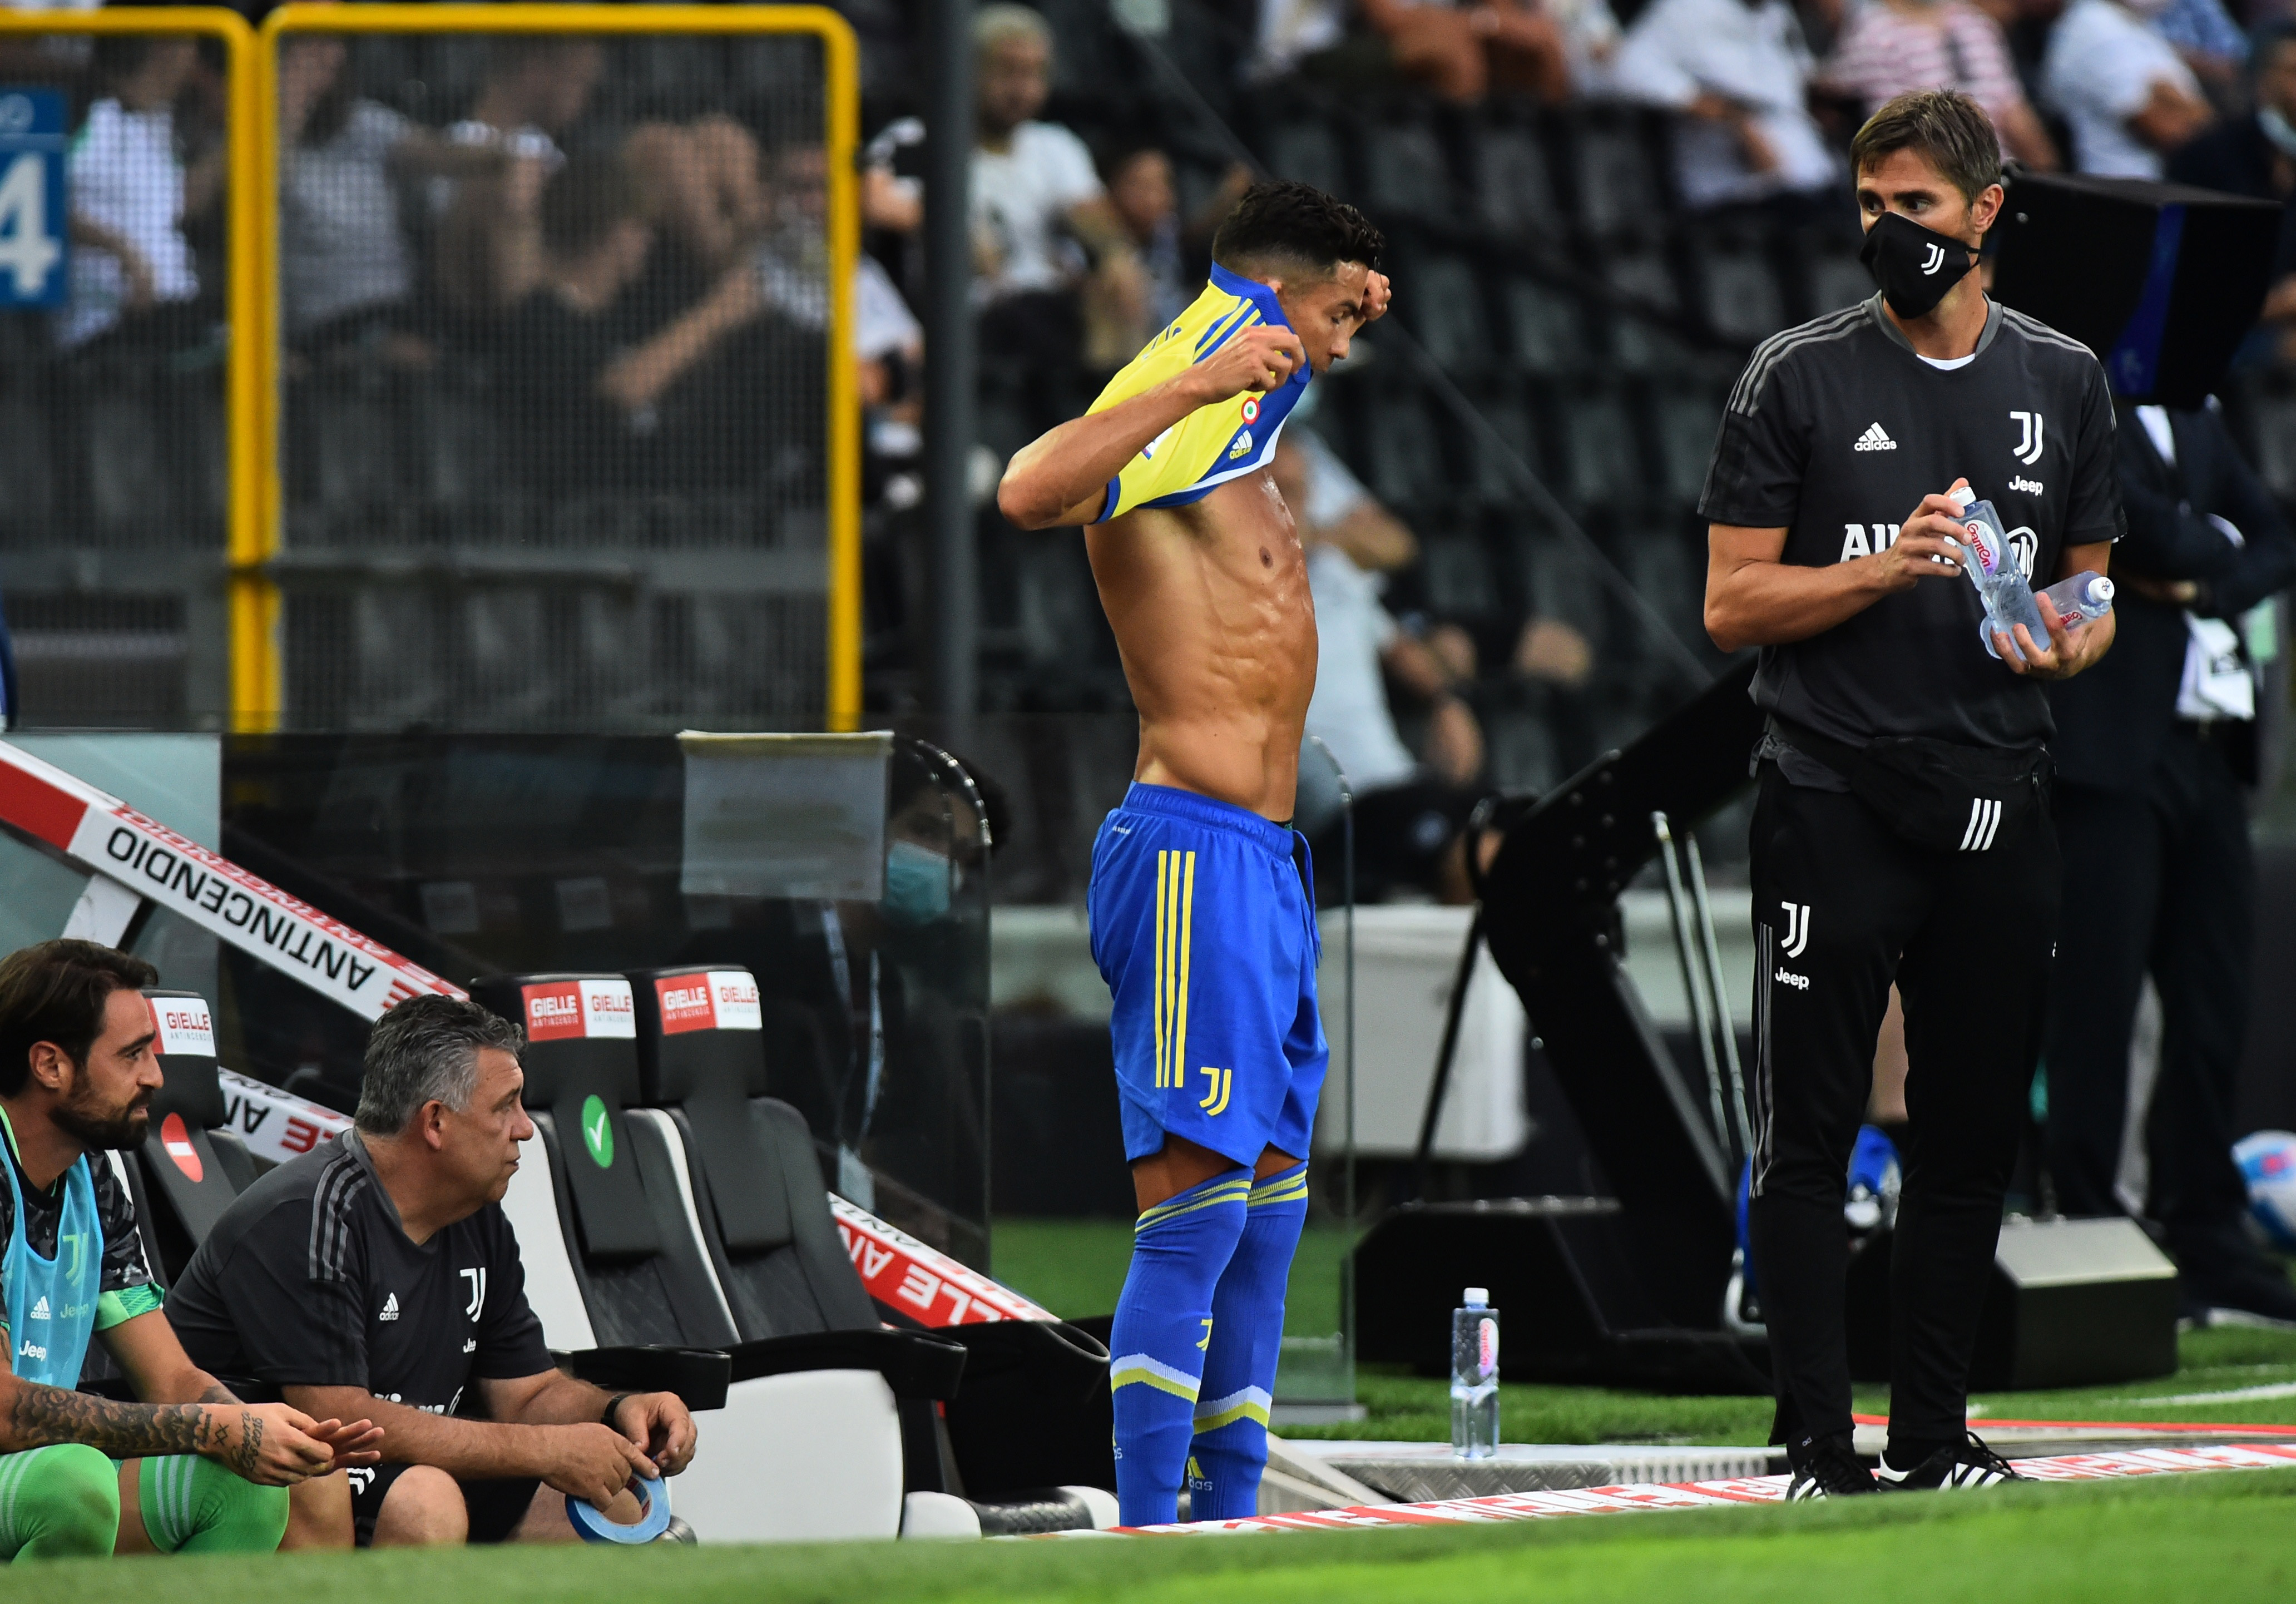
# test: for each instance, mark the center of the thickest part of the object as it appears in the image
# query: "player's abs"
(1212, 614)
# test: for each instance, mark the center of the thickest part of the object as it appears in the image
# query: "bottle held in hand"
(2086, 595)
(1475, 1377)
(1992, 567)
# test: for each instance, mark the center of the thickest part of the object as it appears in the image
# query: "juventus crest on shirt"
(1836, 431)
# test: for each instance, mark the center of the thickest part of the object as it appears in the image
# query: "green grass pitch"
(2227, 1537)
(2218, 1536)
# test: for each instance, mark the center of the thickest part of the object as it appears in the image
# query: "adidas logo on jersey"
(1874, 438)
(389, 1306)
(40, 1309)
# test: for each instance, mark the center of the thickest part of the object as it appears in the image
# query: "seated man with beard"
(189, 1468)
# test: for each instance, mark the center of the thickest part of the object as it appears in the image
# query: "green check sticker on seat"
(598, 1132)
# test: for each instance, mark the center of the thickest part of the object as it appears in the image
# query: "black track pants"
(1842, 908)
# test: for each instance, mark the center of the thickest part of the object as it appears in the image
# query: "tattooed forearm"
(217, 1393)
(39, 1415)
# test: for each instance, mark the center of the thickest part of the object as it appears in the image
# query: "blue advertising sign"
(32, 213)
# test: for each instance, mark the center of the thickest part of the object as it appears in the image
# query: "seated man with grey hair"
(378, 1274)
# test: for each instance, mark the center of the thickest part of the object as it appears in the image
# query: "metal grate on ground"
(1635, 1497)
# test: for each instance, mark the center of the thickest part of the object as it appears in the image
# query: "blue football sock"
(1163, 1325)
(1230, 1449)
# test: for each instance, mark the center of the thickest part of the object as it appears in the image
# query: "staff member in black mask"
(1902, 830)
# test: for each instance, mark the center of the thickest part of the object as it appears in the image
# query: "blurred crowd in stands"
(1597, 206)
(1091, 222)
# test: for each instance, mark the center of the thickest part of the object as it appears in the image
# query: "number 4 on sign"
(27, 249)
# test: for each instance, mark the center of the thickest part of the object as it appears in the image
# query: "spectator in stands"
(402, 1214)
(2127, 96)
(1464, 51)
(2255, 154)
(132, 274)
(1738, 74)
(1291, 32)
(793, 270)
(1889, 46)
(2210, 42)
(701, 182)
(1140, 187)
(1038, 213)
(536, 87)
(1410, 816)
(346, 271)
(589, 401)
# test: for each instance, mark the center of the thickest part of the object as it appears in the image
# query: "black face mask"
(1914, 265)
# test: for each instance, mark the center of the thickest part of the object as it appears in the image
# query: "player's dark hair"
(55, 991)
(1945, 127)
(426, 1050)
(584, 201)
(1282, 221)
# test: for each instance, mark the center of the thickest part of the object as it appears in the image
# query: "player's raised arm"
(1061, 476)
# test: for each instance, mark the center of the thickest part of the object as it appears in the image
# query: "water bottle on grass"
(1475, 1377)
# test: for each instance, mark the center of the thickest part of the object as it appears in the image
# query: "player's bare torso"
(1213, 618)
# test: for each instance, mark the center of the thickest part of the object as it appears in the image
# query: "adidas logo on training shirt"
(40, 1309)
(1874, 439)
(389, 1306)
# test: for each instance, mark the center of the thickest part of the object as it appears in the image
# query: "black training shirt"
(1836, 431)
(309, 1280)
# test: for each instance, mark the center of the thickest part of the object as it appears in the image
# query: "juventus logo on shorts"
(1984, 819)
(1797, 930)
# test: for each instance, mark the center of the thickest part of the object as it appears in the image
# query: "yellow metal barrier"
(245, 457)
(257, 675)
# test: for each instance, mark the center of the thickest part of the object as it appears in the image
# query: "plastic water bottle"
(1475, 1377)
(1992, 568)
(2086, 595)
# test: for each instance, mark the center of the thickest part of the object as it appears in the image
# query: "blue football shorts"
(1203, 924)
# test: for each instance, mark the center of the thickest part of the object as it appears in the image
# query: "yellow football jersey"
(1213, 444)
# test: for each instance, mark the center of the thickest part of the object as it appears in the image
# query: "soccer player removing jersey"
(1202, 915)
(1902, 829)
(202, 1472)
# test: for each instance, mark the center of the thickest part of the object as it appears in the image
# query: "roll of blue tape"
(595, 1528)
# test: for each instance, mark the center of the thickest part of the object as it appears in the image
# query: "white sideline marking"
(2238, 1395)
(1701, 1496)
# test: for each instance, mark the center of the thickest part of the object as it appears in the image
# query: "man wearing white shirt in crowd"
(131, 192)
(1739, 73)
(1041, 221)
(2124, 91)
